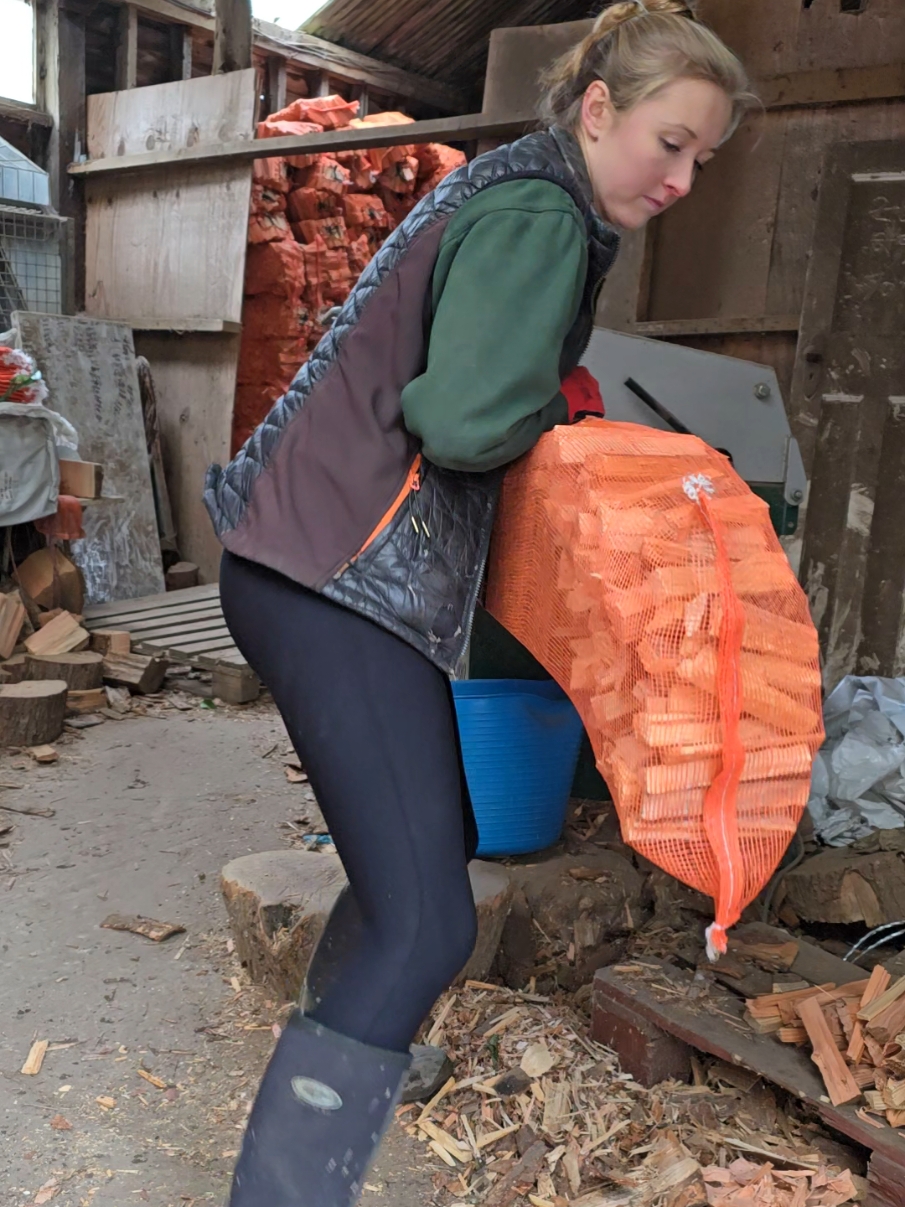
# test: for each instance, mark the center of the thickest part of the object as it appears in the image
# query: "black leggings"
(373, 724)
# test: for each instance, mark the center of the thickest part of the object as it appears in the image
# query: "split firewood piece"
(520, 1179)
(139, 672)
(80, 703)
(61, 636)
(35, 1058)
(43, 754)
(151, 929)
(877, 984)
(837, 1077)
(32, 712)
(877, 1005)
(83, 479)
(12, 620)
(81, 670)
(774, 957)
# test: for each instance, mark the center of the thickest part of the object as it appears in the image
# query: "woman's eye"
(670, 146)
(699, 167)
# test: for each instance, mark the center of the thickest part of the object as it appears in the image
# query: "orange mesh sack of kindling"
(645, 575)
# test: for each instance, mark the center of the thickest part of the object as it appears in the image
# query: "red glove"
(582, 393)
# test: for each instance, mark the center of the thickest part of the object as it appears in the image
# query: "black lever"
(667, 416)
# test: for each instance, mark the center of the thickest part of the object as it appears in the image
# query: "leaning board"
(186, 626)
(89, 367)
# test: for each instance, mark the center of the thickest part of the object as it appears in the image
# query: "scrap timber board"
(186, 626)
(657, 998)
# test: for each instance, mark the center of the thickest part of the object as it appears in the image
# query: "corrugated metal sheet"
(445, 39)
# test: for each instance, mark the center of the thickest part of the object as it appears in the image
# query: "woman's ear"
(596, 110)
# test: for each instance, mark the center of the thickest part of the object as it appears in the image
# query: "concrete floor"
(146, 812)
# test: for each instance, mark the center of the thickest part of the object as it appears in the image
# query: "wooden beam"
(275, 83)
(833, 86)
(316, 54)
(28, 115)
(60, 53)
(127, 48)
(322, 87)
(717, 326)
(444, 129)
(232, 36)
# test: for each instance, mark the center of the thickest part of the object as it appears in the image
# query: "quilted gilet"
(319, 490)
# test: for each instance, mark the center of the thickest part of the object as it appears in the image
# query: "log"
(182, 575)
(139, 672)
(15, 668)
(63, 635)
(83, 479)
(278, 903)
(12, 619)
(111, 641)
(81, 670)
(32, 712)
(81, 702)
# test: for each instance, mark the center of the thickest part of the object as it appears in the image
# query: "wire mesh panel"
(30, 262)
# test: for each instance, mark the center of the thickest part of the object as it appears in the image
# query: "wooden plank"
(187, 326)
(232, 35)
(190, 219)
(443, 129)
(127, 47)
(151, 621)
(833, 86)
(212, 629)
(201, 368)
(28, 115)
(718, 1029)
(719, 237)
(717, 326)
(163, 598)
(89, 367)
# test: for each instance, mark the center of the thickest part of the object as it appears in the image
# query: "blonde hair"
(637, 48)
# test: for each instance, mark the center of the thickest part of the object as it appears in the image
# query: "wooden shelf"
(443, 129)
(762, 324)
(181, 326)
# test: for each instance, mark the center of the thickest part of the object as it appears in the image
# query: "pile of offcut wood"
(857, 1033)
(51, 668)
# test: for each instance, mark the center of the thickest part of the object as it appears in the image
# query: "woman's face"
(642, 160)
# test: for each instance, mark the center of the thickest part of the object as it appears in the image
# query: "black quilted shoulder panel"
(550, 155)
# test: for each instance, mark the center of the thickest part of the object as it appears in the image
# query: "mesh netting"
(645, 575)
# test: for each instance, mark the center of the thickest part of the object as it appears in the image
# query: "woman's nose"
(680, 180)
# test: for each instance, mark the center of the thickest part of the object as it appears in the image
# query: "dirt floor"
(155, 1048)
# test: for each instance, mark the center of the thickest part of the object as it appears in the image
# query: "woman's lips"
(654, 203)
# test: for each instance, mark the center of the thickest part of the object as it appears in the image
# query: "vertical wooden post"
(322, 86)
(362, 96)
(127, 48)
(233, 36)
(181, 52)
(60, 92)
(880, 649)
(275, 84)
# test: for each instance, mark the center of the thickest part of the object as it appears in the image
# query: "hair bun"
(627, 10)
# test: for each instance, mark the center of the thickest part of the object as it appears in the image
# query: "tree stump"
(278, 903)
(81, 671)
(32, 712)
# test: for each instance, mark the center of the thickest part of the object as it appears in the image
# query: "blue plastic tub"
(520, 741)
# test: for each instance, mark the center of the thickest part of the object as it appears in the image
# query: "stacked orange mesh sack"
(316, 221)
(645, 575)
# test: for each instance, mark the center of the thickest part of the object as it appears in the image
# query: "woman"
(356, 522)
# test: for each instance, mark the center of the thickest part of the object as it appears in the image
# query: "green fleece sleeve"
(507, 289)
